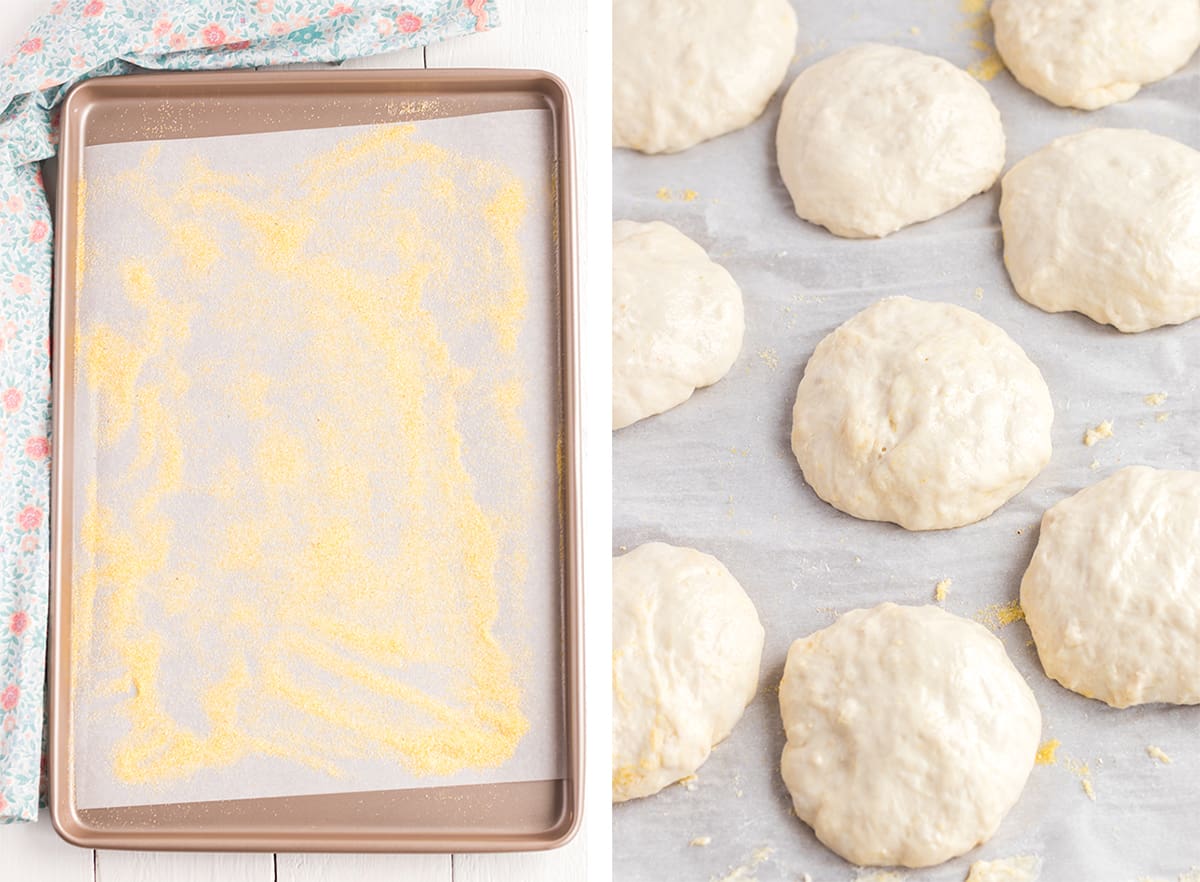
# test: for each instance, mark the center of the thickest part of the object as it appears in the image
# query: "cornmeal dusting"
(1045, 753)
(746, 870)
(306, 665)
(1020, 868)
(701, 841)
(769, 357)
(1000, 615)
(1154, 399)
(1157, 753)
(941, 589)
(1098, 433)
(977, 20)
(1083, 772)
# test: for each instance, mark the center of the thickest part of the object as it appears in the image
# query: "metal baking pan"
(484, 817)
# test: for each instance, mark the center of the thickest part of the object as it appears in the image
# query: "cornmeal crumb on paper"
(1083, 772)
(1000, 615)
(745, 870)
(1157, 753)
(700, 841)
(1019, 868)
(1154, 399)
(1098, 433)
(941, 589)
(1045, 753)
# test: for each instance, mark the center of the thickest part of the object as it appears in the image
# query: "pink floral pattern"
(78, 39)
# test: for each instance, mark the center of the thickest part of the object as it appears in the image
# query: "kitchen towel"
(76, 40)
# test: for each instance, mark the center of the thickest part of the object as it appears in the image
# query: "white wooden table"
(546, 34)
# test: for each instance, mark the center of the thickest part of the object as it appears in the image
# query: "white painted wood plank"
(568, 864)
(159, 866)
(547, 34)
(407, 59)
(35, 852)
(16, 18)
(363, 868)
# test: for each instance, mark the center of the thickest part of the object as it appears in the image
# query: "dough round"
(919, 413)
(909, 734)
(686, 648)
(677, 320)
(876, 138)
(685, 71)
(1090, 53)
(1112, 594)
(1107, 223)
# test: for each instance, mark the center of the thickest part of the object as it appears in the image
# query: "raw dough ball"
(686, 647)
(876, 137)
(923, 414)
(1089, 53)
(677, 320)
(1112, 594)
(1107, 223)
(685, 71)
(909, 734)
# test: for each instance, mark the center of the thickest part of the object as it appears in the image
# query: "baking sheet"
(718, 473)
(242, 315)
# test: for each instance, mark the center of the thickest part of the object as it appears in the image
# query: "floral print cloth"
(79, 39)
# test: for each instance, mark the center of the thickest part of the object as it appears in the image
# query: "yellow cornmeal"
(977, 20)
(1000, 615)
(310, 662)
(1098, 433)
(80, 241)
(1157, 753)
(1045, 753)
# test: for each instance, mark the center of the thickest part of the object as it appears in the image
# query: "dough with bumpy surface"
(909, 734)
(923, 414)
(877, 137)
(685, 71)
(1091, 53)
(678, 320)
(1106, 223)
(1112, 594)
(687, 644)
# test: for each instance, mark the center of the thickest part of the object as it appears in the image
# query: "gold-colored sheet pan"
(491, 817)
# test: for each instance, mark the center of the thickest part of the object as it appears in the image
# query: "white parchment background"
(718, 473)
(116, 228)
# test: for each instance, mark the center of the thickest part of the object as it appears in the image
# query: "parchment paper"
(529, 619)
(718, 473)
